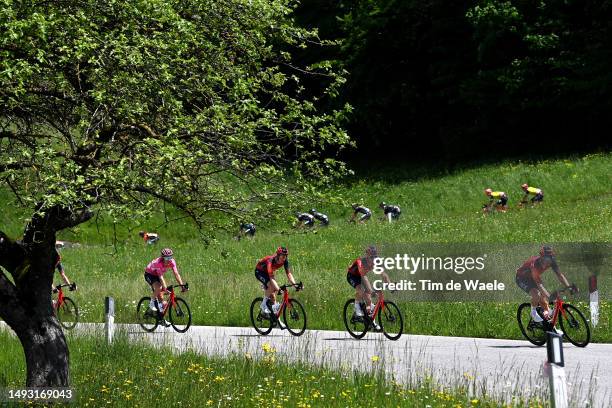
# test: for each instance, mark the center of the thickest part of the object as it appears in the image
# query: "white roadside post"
(554, 367)
(594, 300)
(109, 311)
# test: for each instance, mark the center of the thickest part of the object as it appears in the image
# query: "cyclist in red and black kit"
(356, 277)
(264, 272)
(62, 272)
(529, 278)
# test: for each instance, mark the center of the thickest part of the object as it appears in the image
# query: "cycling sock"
(535, 315)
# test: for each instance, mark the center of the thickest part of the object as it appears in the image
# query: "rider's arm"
(64, 277)
(177, 275)
(385, 277)
(289, 272)
(538, 281)
(560, 275)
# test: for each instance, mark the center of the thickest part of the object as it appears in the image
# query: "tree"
(115, 106)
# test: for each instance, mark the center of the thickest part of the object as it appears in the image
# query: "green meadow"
(139, 375)
(437, 207)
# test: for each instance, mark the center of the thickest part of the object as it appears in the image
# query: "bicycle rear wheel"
(391, 321)
(534, 332)
(574, 325)
(147, 318)
(295, 317)
(68, 314)
(355, 325)
(261, 322)
(180, 315)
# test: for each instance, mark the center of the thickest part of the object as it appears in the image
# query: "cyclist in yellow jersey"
(499, 198)
(538, 194)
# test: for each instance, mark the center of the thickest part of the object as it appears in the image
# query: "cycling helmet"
(524, 186)
(166, 252)
(371, 251)
(312, 211)
(546, 250)
(382, 204)
(141, 233)
(282, 251)
(488, 191)
(354, 205)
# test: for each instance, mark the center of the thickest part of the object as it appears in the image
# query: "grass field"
(444, 208)
(136, 375)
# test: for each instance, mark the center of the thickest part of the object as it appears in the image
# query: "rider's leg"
(535, 302)
(367, 296)
(271, 292)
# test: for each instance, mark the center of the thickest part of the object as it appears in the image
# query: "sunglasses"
(167, 258)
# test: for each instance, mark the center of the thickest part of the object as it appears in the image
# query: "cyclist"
(538, 194)
(356, 277)
(304, 220)
(360, 209)
(62, 272)
(264, 273)
(149, 237)
(154, 275)
(499, 198)
(323, 218)
(392, 212)
(246, 229)
(529, 278)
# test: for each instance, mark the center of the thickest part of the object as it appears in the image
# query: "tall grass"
(132, 374)
(442, 208)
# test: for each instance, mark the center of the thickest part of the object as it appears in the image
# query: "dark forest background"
(450, 80)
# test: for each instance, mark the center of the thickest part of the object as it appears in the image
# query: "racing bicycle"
(573, 324)
(176, 308)
(387, 313)
(64, 308)
(292, 311)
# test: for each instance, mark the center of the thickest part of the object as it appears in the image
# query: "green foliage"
(196, 103)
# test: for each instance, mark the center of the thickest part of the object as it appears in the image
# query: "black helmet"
(312, 211)
(546, 250)
(382, 204)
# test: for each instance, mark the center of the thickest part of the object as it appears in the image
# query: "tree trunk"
(28, 311)
(46, 352)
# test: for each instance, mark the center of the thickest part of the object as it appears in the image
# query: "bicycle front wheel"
(180, 315)
(534, 332)
(68, 314)
(147, 318)
(355, 325)
(575, 327)
(261, 322)
(295, 317)
(391, 321)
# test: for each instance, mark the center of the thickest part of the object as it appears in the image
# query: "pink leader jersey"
(157, 267)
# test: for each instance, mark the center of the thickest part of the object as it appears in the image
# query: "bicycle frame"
(379, 304)
(60, 298)
(171, 301)
(558, 307)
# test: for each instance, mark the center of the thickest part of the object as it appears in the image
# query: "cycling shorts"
(151, 279)
(353, 280)
(262, 277)
(502, 201)
(537, 197)
(526, 283)
(365, 216)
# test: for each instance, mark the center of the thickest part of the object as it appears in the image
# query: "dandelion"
(267, 348)
(375, 359)
(474, 401)
(219, 378)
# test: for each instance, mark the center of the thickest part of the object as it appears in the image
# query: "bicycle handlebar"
(72, 286)
(171, 287)
(284, 287)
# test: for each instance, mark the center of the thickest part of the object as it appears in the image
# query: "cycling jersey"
(533, 269)
(363, 210)
(305, 218)
(393, 209)
(533, 190)
(321, 217)
(58, 262)
(267, 265)
(498, 194)
(158, 267)
(359, 267)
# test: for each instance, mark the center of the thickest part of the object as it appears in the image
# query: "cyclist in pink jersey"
(154, 275)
